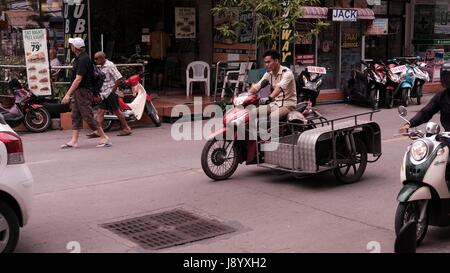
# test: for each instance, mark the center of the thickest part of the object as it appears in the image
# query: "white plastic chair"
(198, 75)
(241, 77)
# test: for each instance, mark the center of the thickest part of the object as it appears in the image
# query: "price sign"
(317, 69)
(36, 57)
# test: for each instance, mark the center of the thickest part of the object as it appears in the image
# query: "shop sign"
(75, 24)
(246, 31)
(185, 26)
(345, 15)
(317, 69)
(378, 27)
(350, 40)
(399, 69)
(37, 63)
(287, 46)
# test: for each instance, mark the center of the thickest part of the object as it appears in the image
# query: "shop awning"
(366, 14)
(315, 13)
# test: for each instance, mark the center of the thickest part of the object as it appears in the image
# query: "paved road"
(77, 190)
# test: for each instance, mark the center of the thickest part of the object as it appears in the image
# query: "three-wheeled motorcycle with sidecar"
(307, 144)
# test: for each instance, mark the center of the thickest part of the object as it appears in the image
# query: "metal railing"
(224, 66)
(66, 67)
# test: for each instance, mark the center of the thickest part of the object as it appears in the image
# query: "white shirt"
(112, 75)
(286, 80)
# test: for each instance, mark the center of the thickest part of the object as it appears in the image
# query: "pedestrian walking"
(81, 93)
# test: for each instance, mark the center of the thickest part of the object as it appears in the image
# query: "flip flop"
(68, 146)
(104, 145)
(92, 135)
(124, 133)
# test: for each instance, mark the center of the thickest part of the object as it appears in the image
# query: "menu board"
(185, 23)
(36, 57)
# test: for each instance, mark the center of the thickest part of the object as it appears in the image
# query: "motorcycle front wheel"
(410, 211)
(37, 120)
(216, 164)
(405, 96)
(389, 99)
(374, 98)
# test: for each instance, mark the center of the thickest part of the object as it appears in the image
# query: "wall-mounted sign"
(345, 15)
(36, 58)
(378, 27)
(185, 26)
(350, 40)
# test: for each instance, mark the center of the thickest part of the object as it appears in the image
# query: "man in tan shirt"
(283, 98)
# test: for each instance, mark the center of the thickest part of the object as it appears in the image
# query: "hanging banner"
(287, 43)
(185, 25)
(37, 63)
(76, 24)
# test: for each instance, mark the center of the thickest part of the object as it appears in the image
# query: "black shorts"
(111, 103)
(157, 66)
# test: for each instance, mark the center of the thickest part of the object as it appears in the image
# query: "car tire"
(9, 228)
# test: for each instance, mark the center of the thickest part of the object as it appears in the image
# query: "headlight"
(419, 150)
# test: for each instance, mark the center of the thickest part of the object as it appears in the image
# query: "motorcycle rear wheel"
(37, 120)
(107, 123)
(153, 114)
(214, 162)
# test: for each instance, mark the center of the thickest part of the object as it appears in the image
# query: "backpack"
(97, 80)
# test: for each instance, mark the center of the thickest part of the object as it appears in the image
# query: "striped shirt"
(112, 75)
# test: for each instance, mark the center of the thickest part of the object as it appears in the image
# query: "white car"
(16, 184)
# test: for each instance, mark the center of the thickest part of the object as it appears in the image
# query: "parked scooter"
(364, 86)
(134, 110)
(400, 82)
(425, 175)
(309, 83)
(422, 77)
(25, 109)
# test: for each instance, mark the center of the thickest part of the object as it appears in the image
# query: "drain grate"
(166, 229)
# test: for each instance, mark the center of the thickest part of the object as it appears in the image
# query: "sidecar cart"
(340, 145)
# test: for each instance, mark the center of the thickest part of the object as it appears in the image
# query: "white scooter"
(425, 196)
(134, 110)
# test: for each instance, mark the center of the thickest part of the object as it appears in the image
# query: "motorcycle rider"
(283, 97)
(439, 103)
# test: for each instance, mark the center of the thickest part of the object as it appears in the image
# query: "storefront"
(125, 29)
(431, 33)
(340, 47)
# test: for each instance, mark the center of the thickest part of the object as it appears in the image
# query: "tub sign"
(36, 57)
(345, 15)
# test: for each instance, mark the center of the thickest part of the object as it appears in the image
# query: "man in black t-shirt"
(81, 92)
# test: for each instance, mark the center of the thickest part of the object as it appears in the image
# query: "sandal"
(68, 146)
(106, 144)
(92, 135)
(124, 133)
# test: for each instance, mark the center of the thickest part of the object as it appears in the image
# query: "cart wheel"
(351, 173)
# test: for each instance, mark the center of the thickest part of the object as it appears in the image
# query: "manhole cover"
(168, 229)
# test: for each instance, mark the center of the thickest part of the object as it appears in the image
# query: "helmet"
(445, 75)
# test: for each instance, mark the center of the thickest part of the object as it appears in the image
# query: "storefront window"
(328, 48)
(350, 49)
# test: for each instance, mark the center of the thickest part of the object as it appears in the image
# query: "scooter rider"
(283, 98)
(439, 103)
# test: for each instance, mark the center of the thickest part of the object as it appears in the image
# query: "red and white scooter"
(134, 110)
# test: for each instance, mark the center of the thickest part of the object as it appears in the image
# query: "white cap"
(77, 42)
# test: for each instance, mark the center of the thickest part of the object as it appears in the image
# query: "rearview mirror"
(403, 111)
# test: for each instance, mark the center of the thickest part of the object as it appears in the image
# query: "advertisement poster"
(37, 63)
(378, 27)
(185, 27)
(75, 24)
(442, 17)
